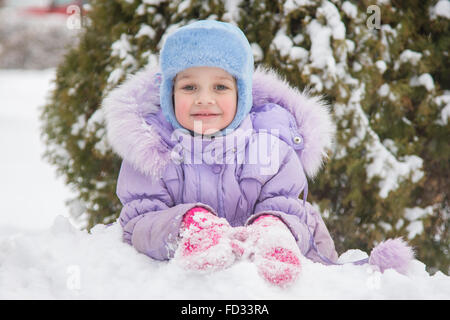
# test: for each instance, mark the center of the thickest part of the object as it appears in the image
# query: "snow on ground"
(43, 256)
(30, 193)
(65, 263)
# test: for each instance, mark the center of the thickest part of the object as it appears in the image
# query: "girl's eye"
(221, 87)
(188, 87)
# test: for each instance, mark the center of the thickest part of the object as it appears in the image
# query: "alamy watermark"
(74, 20)
(374, 20)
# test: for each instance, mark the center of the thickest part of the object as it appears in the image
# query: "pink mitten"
(205, 242)
(275, 251)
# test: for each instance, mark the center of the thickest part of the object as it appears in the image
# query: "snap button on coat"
(297, 140)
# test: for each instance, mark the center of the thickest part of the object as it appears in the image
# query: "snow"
(153, 2)
(147, 31)
(390, 145)
(232, 10)
(425, 80)
(183, 5)
(443, 100)
(320, 35)
(43, 255)
(441, 9)
(392, 171)
(115, 76)
(350, 9)
(286, 47)
(384, 90)
(320, 53)
(282, 43)
(65, 263)
(122, 48)
(414, 215)
(29, 191)
(387, 33)
(331, 13)
(258, 53)
(410, 56)
(357, 66)
(417, 213)
(383, 164)
(291, 5)
(381, 65)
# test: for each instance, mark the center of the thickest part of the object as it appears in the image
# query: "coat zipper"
(199, 185)
(220, 195)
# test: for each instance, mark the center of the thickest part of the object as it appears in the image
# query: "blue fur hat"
(212, 44)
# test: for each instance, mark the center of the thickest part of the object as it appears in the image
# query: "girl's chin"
(202, 127)
(207, 131)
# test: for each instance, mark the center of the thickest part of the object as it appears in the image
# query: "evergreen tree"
(383, 67)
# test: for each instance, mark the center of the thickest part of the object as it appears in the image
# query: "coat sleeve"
(279, 196)
(149, 217)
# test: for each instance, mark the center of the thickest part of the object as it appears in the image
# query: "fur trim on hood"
(139, 143)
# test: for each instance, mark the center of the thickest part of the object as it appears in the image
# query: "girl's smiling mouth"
(205, 115)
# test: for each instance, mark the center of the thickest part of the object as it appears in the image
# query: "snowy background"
(30, 192)
(44, 255)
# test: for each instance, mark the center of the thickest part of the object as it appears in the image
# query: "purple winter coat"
(259, 168)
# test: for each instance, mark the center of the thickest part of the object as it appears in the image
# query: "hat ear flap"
(167, 101)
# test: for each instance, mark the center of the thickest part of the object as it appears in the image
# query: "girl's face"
(205, 99)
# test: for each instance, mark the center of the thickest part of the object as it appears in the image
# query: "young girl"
(215, 157)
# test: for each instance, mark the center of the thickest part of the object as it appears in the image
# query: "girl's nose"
(204, 98)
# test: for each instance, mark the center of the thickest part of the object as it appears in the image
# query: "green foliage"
(388, 174)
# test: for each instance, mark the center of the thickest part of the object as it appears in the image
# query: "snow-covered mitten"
(274, 250)
(205, 243)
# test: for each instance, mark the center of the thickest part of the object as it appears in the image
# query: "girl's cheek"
(181, 106)
(230, 105)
